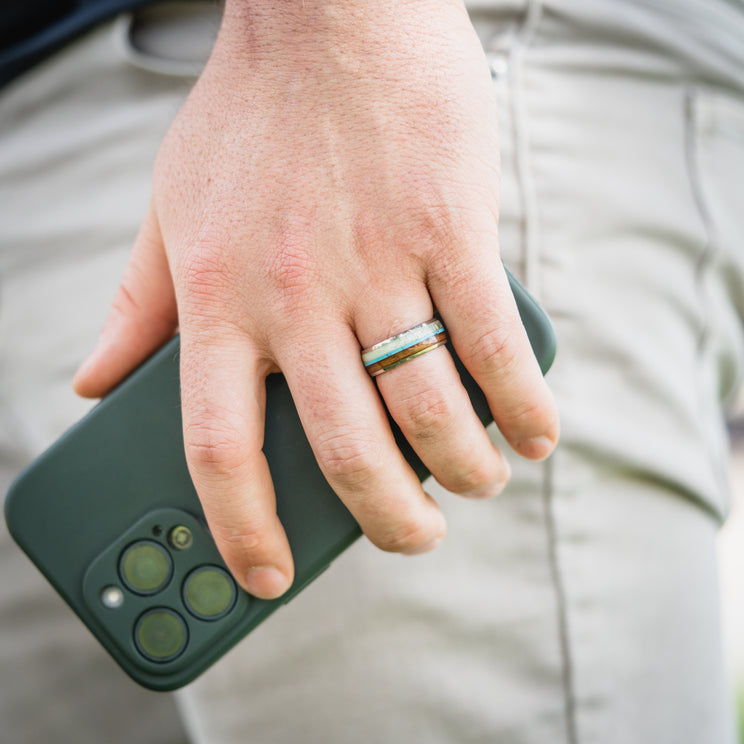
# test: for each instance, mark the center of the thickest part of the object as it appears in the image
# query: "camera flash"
(112, 597)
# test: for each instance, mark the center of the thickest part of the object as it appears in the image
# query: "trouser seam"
(557, 579)
(698, 195)
(531, 247)
(705, 265)
(517, 104)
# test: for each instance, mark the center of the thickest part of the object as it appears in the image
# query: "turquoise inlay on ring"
(393, 349)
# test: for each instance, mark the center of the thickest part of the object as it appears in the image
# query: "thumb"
(142, 317)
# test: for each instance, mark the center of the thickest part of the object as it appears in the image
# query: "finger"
(433, 410)
(223, 398)
(430, 405)
(347, 427)
(483, 322)
(142, 317)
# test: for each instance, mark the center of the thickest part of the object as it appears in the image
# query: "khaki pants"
(580, 607)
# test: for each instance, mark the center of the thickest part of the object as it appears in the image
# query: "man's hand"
(330, 181)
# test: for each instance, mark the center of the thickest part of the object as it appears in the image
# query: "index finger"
(223, 402)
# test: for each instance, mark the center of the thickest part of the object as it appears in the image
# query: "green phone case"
(110, 516)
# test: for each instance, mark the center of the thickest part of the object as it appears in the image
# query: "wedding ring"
(404, 346)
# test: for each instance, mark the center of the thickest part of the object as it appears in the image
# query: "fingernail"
(426, 547)
(537, 448)
(266, 582)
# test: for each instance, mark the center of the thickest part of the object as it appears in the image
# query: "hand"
(332, 178)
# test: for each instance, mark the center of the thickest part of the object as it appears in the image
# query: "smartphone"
(110, 516)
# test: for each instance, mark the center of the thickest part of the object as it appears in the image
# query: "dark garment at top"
(30, 30)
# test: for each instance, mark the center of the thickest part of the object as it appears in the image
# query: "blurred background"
(731, 552)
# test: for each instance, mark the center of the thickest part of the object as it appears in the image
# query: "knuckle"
(495, 349)
(124, 302)
(204, 264)
(348, 458)
(440, 229)
(238, 544)
(292, 269)
(528, 414)
(425, 415)
(215, 450)
(206, 280)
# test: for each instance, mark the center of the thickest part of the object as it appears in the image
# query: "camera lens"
(160, 634)
(209, 593)
(145, 567)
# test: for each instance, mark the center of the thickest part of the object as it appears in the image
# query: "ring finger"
(425, 397)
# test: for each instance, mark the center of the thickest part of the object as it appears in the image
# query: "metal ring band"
(404, 346)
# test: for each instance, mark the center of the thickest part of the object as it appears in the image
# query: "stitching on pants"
(708, 252)
(694, 125)
(531, 241)
(530, 234)
(564, 641)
